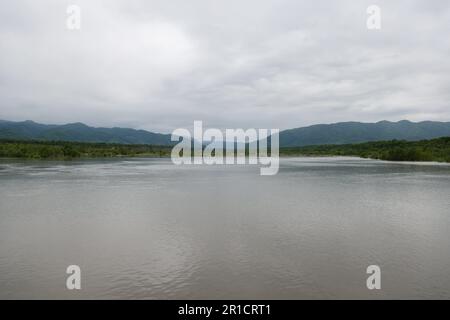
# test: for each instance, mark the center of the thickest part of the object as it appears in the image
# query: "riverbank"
(62, 150)
(437, 150)
(425, 150)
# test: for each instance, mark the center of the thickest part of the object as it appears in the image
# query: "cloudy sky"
(160, 65)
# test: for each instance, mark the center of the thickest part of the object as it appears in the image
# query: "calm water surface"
(144, 228)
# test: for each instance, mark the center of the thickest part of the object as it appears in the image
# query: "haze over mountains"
(336, 133)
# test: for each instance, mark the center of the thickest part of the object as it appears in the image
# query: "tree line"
(70, 150)
(394, 150)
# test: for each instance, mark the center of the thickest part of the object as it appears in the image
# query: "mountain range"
(336, 133)
(355, 132)
(79, 132)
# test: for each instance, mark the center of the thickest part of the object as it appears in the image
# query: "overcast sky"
(160, 65)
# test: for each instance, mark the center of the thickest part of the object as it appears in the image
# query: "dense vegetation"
(394, 150)
(70, 150)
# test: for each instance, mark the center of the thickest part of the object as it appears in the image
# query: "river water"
(147, 229)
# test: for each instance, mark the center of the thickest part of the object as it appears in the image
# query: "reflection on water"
(144, 228)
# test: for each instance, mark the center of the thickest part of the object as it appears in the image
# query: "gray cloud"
(160, 65)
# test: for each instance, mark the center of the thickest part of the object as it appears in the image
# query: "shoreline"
(124, 157)
(434, 150)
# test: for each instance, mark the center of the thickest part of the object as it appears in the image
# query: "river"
(147, 229)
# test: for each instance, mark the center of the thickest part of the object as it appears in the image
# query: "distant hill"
(79, 132)
(337, 133)
(355, 132)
